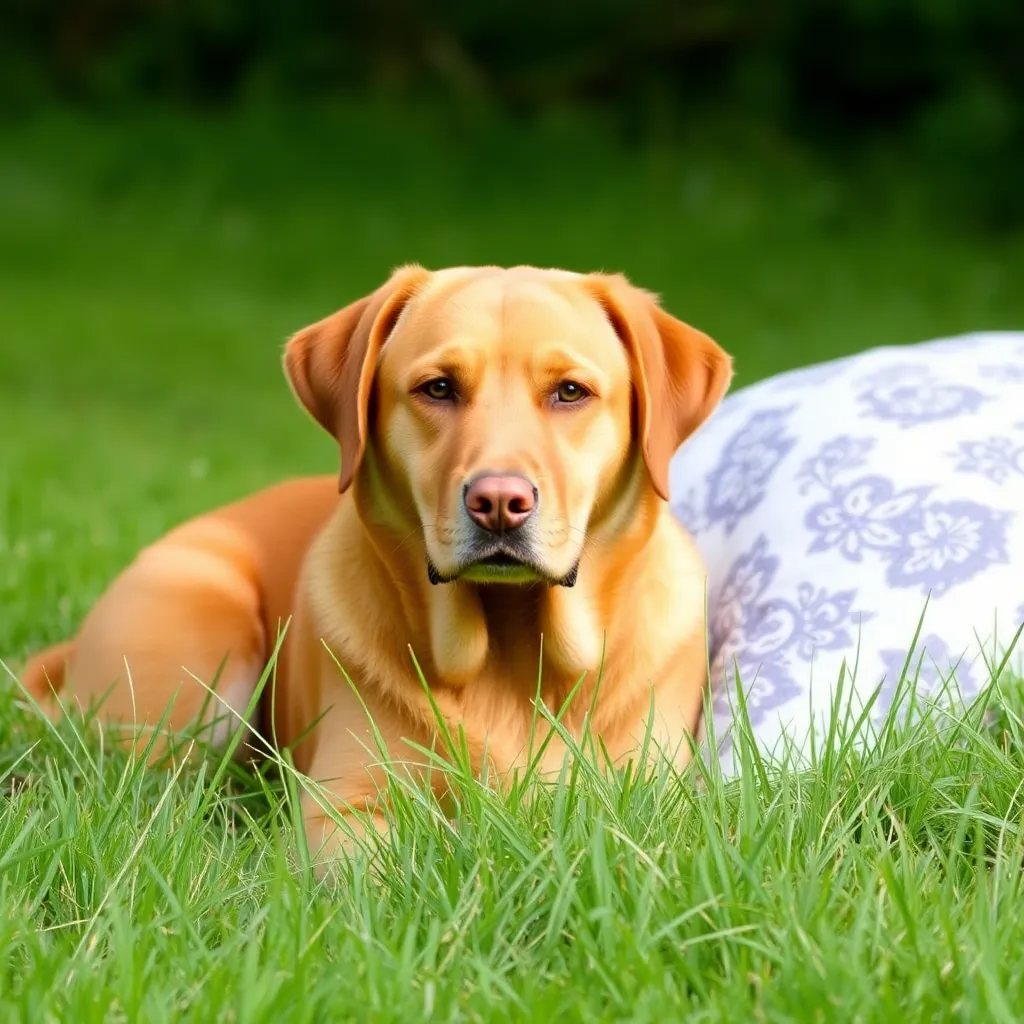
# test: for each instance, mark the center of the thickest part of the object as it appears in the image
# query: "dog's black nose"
(499, 503)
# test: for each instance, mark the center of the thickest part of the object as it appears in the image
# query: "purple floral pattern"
(749, 459)
(931, 665)
(1008, 373)
(909, 395)
(925, 544)
(881, 485)
(946, 544)
(841, 453)
(768, 641)
(689, 510)
(868, 514)
(997, 458)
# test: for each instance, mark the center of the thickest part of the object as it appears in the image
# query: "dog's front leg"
(358, 751)
(337, 829)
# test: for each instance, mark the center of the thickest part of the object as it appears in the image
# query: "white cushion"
(836, 504)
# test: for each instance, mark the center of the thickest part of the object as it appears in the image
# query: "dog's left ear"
(331, 364)
(679, 374)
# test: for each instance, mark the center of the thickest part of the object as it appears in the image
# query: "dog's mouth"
(502, 560)
(501, 565)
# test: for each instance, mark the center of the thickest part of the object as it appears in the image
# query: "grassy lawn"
(150, 267)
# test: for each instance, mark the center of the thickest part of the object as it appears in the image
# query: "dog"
(500, 530)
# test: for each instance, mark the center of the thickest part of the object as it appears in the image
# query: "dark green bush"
(945, 76)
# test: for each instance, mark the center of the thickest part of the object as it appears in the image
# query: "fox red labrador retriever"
(505, 439)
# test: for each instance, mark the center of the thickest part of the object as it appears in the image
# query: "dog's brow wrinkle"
(502, 308)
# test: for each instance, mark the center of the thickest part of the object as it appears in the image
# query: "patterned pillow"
(837, 504)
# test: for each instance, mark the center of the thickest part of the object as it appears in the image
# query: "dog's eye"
(440, 389)
(569, 391)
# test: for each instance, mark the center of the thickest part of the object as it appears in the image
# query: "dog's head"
(500, 413)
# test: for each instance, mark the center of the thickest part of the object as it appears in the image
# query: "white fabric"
(832, 504)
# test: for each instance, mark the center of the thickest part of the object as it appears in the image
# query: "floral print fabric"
(836, 504)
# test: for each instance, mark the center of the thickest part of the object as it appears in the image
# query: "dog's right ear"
(331, 364)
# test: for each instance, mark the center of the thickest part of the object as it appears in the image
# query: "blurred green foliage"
(944, 78)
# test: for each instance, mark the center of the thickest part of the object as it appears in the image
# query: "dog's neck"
(460, 631)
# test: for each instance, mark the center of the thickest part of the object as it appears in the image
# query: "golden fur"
(582, 386)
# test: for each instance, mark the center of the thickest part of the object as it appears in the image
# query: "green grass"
(885, 881)
(151, 265)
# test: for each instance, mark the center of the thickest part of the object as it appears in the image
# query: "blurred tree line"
(943, 76)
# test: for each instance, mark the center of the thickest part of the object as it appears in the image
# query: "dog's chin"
(498, 569)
